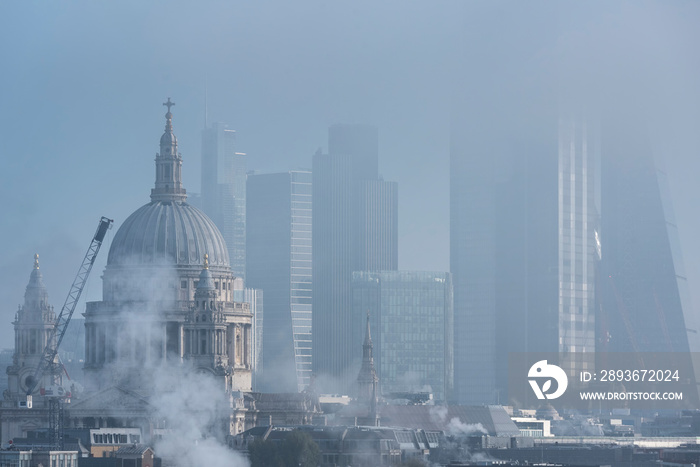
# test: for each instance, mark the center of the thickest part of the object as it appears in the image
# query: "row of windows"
(115, 438)
(301, 189)
(297, 241)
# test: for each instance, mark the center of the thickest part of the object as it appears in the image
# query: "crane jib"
(59, 329)
(102, 229)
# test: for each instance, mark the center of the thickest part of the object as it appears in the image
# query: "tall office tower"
(579, 239)
(411, 321)
(645, 301)
(223, 190)
(523, 248)
(279, 262)
(354, 229)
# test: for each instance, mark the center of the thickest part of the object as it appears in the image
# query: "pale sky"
(81, 87)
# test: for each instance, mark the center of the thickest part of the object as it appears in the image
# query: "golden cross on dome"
(206, 261)
(36, 261)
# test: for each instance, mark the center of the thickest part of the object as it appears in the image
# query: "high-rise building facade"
(411, 321)
(645, 304)
(569, 249)
(223, 190)
(354, 229)
(579, 246)
(279, 262)
(524, 248)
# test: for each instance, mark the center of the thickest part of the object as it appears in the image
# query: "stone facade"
(32, 325)
(167, 294)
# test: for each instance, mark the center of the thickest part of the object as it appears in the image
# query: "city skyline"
(95, 130)
(430, 195)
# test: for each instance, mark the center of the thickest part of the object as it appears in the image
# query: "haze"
(81, 87)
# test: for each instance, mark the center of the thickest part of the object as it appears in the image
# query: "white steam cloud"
(190, 408)
(196, 410)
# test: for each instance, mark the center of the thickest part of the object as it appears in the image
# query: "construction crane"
(57, 393)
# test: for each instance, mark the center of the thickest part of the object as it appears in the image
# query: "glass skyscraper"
(279, 262)
(354, 229)
(524, 246)
(578, 239)
(223, 190)
(412, 330)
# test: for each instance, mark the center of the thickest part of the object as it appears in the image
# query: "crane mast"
(48, 358)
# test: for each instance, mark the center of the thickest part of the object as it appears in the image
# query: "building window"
(183, 284)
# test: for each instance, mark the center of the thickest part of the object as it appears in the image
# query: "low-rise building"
(533, 427)
(107, 440)
(354, 445)
(29, 458)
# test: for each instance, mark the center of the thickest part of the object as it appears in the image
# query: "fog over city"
(81, 87)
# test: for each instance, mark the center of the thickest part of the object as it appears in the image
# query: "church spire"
(35, 296)
(367, 379)
(168, 165)
(367, 347)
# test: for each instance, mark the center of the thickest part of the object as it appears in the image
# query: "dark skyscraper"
(223, 190)
(354, 229)
(279, 262)
(645, 307)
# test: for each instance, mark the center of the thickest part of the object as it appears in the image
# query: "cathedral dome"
(163, 232)
(168, 231)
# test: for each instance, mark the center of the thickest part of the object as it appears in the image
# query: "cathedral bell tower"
(33, 323)
(168, 165)
(208, 341)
